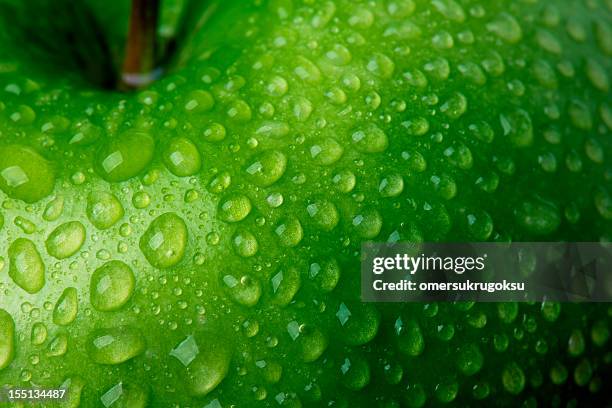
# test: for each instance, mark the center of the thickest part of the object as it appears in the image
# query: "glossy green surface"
(197, 243)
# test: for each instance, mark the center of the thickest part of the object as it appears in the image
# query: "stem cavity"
(140, 64)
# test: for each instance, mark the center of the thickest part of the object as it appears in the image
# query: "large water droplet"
(517, 127)
(115, 345)
(111, 286)
(210, 366)
(66, 240)
(538, 216)
(164, 242)
(450, 9)
(26, 266)
(289, 232)
(7, 339)
(267, 168)
(182, 157)
(324, 214)
(245, 291)
(24, 174)
(234, 208)
(245, 243)
(358, 322)
(103, 209)
(285, 283)
(326, 151)
(125, 156)
(370, 139)
(506, 27)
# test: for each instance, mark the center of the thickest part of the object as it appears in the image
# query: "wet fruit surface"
(197, 243)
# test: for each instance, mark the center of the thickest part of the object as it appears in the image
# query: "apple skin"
(225, 207)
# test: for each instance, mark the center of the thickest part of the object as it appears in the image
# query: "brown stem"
(140, 61)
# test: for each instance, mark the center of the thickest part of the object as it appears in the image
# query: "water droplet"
(214, 132)
(39, 333)
(312, 343)
(25, 225)
(182, 157)
(267, 168)
(415, 396)
(302, 108)
(580, 115)
(583, 372)
(479, 225)
(538, 216)
(289, 232)
(199, 101)
(410, 340)
(446, 391)
(66, 240)
(124, 395)
(273, 129)
(517, 127)
(24, 174)
(391, 185)
(370, 139)
(507, 311)
(7, 339)
(493, 64)
(210, 366)
(438, 69)
(344, 181)
(324, 214)
(277, 86)
(24, 115)
(245, 243)
(354, 373)
(381, 66)
(513, 378)
(26, 266)
(450, 9)
(367, 223)
(58, 346)
(326, 274)
(115, 345)
(66, 308)
(306, 70)
(358, 322)
(455, 106)
(326, 151)
(164, 242)
(285, 284)
(220, 182)
(103, 209)
(506, 27)
(548, 41)
(558, 373)
(111, 286)
(245, 291)
(472, 72)
(469, 359)
(576, 343)
(603, 34)
(400, 8)
(54, 209)
(417, 126)
(125, 156)
(234, 208)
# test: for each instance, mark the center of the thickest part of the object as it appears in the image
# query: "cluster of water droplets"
(200, 239)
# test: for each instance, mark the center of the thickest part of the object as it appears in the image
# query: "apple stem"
(140, 61)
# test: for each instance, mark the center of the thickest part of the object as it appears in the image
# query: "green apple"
(196, 242)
